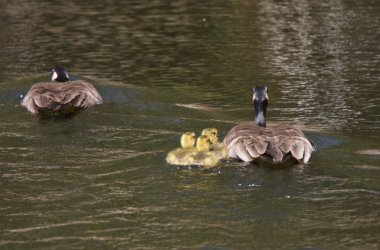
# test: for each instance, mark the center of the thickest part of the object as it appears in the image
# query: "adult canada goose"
(189, 154)
(62, 97)
(250, 140)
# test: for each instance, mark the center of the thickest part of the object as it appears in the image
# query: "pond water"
(100, 180)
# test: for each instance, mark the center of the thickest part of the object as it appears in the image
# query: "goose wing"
(41, 95)
(80, 94)
(248, 141)
(292, 140)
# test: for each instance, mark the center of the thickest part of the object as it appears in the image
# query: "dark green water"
(100, 181)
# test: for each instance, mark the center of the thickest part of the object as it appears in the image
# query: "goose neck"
(260, 114)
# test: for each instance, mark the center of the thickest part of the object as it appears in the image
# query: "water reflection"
(311, 47)
(307, 53)
(124, 42)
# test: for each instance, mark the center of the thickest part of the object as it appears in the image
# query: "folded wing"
(56, 96)
(248, 141)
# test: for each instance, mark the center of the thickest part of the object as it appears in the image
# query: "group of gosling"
(246, 141)
(204, 151)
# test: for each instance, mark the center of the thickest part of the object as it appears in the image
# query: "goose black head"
(260, 102)
(59, 74)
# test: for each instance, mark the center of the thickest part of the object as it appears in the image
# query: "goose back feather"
(248, 141)
(52, 96)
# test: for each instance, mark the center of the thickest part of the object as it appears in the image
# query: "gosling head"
(59, 74)
(188, 140)
(212, 133)
(203, 143)
(260, 102)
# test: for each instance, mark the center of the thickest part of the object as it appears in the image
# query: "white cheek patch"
(261, 117)
(55, 76)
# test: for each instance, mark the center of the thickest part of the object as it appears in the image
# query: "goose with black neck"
(60, 96)
(278, 143)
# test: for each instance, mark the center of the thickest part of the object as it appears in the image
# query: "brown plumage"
(250, 140)
(58, 97)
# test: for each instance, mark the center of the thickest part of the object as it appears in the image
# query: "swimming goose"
(64, 96)
(248, 141)
(219, 149)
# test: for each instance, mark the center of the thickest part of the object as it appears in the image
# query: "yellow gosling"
(217, 148)
(203, 143)
(181, 156)
(220, 150)
(189, 154)
(188, 140)
(212, 133)
(203, 156)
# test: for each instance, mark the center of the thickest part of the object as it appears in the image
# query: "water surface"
(99, 179)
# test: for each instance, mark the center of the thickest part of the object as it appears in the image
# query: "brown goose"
(66, 96)
(250, 140)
